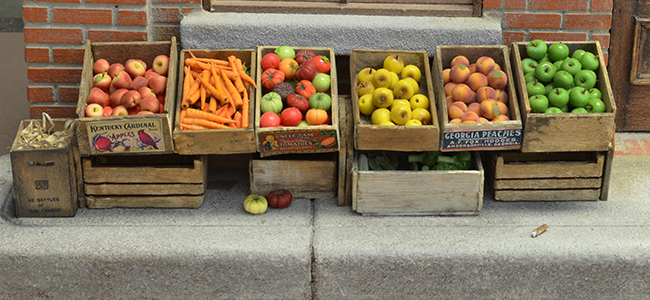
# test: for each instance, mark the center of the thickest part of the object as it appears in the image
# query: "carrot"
(187, 83)
(182, 116)
(210, 88)
(195, 113)
(245, 107)
(190, 126)
(232, 90)
(237, 118)
(194, 97)
(220, 62)
(212, 105)
(205, 123)
(194, 88)
(240, 68)
(220, 111)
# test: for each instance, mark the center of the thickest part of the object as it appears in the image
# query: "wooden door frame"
(619, 65)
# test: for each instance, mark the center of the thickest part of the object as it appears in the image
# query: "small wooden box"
(501, 135)
(215, 141)
(566, 132)
(368, 136)
(161, 181)
(285, 139)
(46, 181)
(552, 176)
(120, 134)
(405, 192)
(305, 176)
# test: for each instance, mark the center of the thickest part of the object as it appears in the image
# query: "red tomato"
(288, 66)
(305, 88)
(280, 198)
(306, 71)
(290, 116)
(271, 77)
(304, 55)
(316, 116)
(322, 63)
(299, 102)
(270, 60)
(270, 119)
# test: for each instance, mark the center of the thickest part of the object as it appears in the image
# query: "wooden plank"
(607, 172)
(167, 201)
(194, 172)
(548, 169)
(127, 189)
(304, 178)
(547, 195)
(346, 130)
(547, 184)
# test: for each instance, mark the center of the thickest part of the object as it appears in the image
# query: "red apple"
(101, 66)
(150, 104)
(122, 80)
(102, 81)
(108, 110)
(114, 68)
(116, 97)
(133, 110)
(144, 112)
(162, 109)
(161, 64)
(130, 99)
(150, 73)
(145, 92)
(119, 111)
(161, 98)
(94, 110)
(135, 67)
(139, 82)
(158, 84)
(98, 96)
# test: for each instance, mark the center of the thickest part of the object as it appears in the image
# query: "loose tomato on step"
(280, 198)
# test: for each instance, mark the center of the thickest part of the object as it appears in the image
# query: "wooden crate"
(407, 192)
(502, 135)
(215, 141)
(122, 131)
(552, 176)
(297, 139)
(368, 136)
(162, 181)
(46, 182)
(305, 176)
(566, 132)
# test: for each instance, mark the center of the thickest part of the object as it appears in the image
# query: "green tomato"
(321, 101)
(271, 101)
(285, 52)
(255, 204)
(321, 82)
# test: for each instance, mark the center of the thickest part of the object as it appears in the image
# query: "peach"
(469, 116)
(448, 87)
(455, 121)
(489, 109)
(501, 96)
(475, 107)
(497, 79)
(445, 75)
(503, 108)
(501, 118)
(459, 60)
(463, 92)
(456, 111)
(449, 100)
(472, 68)
(485, 64)
(485, 92)
(459, 73)
(476, 81)
(483, 120)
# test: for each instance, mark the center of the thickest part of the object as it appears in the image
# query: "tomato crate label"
(481, 139)
(144, 135)
(303, 141)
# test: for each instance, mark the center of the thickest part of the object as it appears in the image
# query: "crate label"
(303, 141)
(144, 135)
(482, 139)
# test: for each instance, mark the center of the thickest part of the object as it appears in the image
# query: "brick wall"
(56, 30)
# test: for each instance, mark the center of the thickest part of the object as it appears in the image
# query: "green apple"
(571, 65)
(558, 64)
(558, 97)
(565, 108)
(578, 96)
(589, 61)
(528, 65)
(578, 54)
(536, 49)
(585, 78)
(558, 51)
(529, 77)
(553, 110)
(563, 79)
(535, 88)
(595, 93)
(548, 88)
(579, 110)
(595, 106)
(544, 59)
(545, 72)
(538, 103)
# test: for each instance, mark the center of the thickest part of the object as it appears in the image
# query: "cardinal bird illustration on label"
(126, 136)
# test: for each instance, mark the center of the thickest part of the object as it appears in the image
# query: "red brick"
(82, 16)
(602, 38)
(587, 21)
(55, 111)
(166, 15)
(54, 35)
(116, 2)
(40, 94)
(68, 55)
(558, 36)
(533, 20)
(116, 36)
(491, 3)
(177, 1)
(514, 4)
(53, 75)
(67, 1)
(606, 58)
(602, 5)
(35, 14)
(69, 93)
(563, 5)
(37, 55)
(187, 10)
(510, 37)
(132, 17)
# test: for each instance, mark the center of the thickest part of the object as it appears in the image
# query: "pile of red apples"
(129, 88)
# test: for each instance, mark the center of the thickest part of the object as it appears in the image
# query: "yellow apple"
(387, 123)
(416, 85)
(394, 63)
(404, 89)
(366, 74)
(365, 87)
(419, 101)
(380, 115)
(412, 71)
(413, 122)
(382, 97)
(382, 78)
(397, 102)
(365, 104)
(394, 81)
(422, 115)
(400, 114)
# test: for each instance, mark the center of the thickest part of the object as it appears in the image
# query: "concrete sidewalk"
(317, 250)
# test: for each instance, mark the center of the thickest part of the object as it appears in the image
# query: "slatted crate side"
(512, 166)
(216, 141)
(368, 136)
(566, 132)
(154, 169)
(153, 201)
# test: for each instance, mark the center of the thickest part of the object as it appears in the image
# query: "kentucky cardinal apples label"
(302, 141)
(125, 136)
(482, 139)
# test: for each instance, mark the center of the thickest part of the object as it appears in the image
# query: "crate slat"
(168, 201)
(542, 183)
(549, 169)
(547, 195)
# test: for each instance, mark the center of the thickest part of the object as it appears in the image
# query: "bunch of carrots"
(215, 93)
